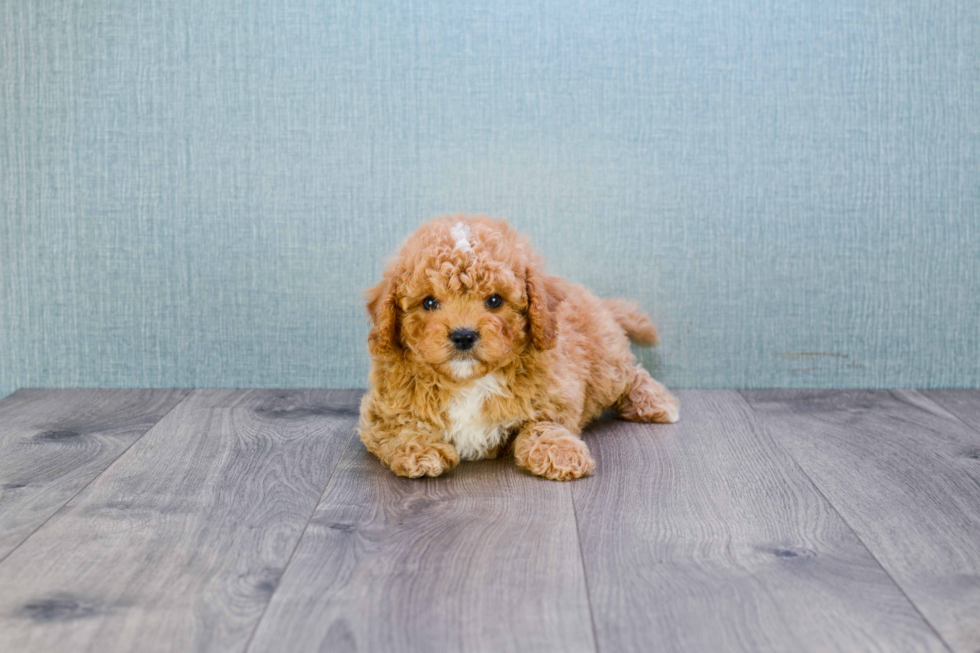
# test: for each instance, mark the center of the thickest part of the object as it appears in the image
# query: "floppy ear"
(383, 309)
(543, 298)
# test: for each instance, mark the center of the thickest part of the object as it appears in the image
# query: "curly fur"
(547, 362)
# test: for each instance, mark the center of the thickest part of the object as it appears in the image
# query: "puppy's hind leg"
(647, 400)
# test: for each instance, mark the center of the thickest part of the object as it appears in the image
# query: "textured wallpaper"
(196, 193)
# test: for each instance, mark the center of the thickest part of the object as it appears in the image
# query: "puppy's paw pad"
(560, 458)
(416, 461)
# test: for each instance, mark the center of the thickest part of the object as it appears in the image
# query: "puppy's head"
(465, 296)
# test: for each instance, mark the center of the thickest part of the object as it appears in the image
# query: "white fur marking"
(468, 431)
(463, 369)
(461, 233)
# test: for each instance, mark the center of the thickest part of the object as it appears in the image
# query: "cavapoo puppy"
(476, 352)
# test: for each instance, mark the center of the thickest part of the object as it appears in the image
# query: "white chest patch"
(469, 431)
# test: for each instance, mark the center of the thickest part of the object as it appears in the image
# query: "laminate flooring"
(255, 520)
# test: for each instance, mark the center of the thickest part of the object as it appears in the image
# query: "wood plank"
(705, 536)
(964, 404)
(54, 442)
(179, 545)
(485, 558)
(897, 467)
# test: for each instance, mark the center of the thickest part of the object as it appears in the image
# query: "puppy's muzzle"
(463, 339)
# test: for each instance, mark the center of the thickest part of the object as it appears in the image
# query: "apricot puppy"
(475, 351)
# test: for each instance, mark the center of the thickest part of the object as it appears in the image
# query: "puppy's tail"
(633, 321)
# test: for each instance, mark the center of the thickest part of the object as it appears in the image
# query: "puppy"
(475, 351)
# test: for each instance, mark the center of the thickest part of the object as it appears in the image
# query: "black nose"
(464, 339)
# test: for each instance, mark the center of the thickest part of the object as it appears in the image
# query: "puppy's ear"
(543, 298)
(383, 309)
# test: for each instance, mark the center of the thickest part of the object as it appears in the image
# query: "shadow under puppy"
(474, 352)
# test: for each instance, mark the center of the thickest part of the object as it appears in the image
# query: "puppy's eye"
(430, 303)
(494, 301)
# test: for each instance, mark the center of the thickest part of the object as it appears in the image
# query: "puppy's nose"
(464, 339)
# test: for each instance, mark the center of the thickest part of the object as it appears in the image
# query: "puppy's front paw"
(552, 452)
(417, 459)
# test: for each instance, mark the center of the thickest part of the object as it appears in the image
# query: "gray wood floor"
(254, 520)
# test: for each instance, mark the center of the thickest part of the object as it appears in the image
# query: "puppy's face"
(461, 297)
(464, 332)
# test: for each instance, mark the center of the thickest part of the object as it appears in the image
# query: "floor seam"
(969, 427)
(952, 414)
(760, 422)
(258, 622)
(93, 479)
(585, 573)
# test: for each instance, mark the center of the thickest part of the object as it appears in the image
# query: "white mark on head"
(463, 369)
(461, 233)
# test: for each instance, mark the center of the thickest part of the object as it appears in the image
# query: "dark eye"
(494, 301)
(430, 303)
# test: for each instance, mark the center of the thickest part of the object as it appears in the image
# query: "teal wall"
(195, 193)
